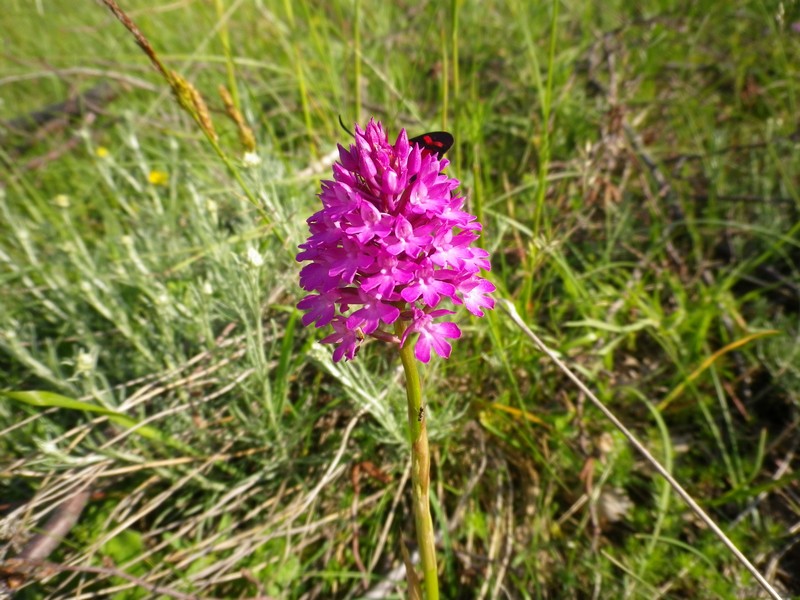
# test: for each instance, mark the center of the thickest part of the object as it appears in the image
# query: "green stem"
(357, 58)
(225, 40)
(420, 469)
(547, 105)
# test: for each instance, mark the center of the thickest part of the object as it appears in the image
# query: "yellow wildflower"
(158, 177)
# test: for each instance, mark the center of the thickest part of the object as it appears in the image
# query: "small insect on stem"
(421, 414)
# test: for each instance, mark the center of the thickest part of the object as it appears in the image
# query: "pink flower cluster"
(391, 241)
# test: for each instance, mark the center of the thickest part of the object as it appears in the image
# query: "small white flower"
(251, 159)
(208, 289)
(48, 446)
(254, 257)
(84, 363)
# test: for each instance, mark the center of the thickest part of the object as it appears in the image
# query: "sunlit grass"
(646, 245)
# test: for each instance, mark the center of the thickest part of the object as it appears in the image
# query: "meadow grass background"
(635, 166)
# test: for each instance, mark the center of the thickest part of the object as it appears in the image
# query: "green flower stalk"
(420, 471)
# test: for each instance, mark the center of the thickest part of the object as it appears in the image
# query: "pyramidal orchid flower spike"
(391, 242)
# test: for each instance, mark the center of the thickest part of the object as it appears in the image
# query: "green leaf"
(52, 400)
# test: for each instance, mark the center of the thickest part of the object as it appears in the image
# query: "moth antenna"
(345, 127)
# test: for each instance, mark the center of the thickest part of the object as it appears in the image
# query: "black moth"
(436, 142)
